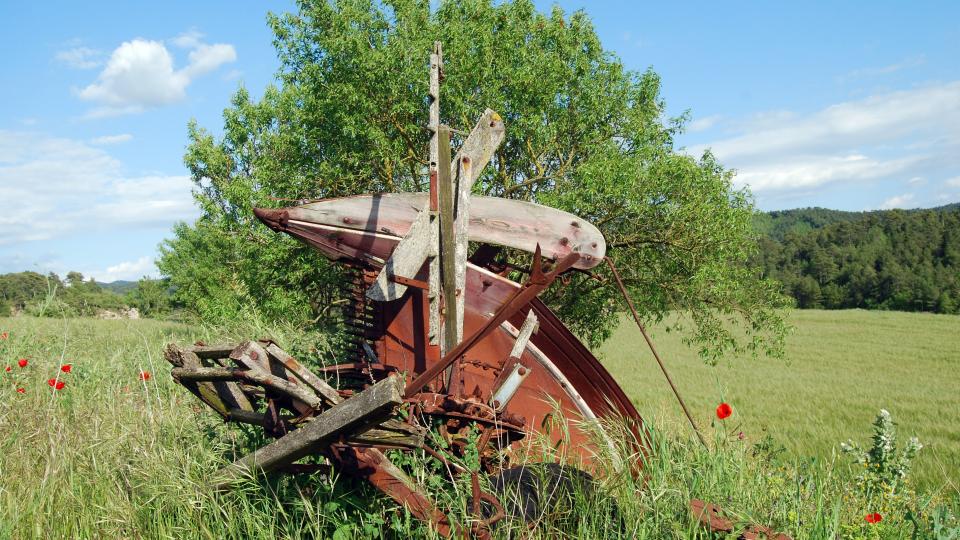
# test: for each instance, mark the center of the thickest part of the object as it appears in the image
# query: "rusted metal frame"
(656, 356)
(712, 517)
(373, 466)
(537, 283)
(481, 527)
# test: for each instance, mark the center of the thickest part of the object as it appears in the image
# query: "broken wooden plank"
(433, 123)
(529, 327)
(372, 405)
(389, 433)
(392, 432)
(447, 244)
(324, 390)
(252, 356)
(211, 352)
(407, 259)
(205, 391)
(207, 374)
(267, 380)
(461, 241)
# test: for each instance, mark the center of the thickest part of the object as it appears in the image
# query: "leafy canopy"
(583, 134)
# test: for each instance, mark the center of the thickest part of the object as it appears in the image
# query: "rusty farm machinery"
(440, 338)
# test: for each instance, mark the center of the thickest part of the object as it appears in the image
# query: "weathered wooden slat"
(213, 351)
(372, 405)
(206, 392)
(325, 391)
(407, 259)
(448, 260)
(529, 327)
(207, 374)
(390, 433)
(252, 356)
(433, 123)
(461, 240)
(267, 380)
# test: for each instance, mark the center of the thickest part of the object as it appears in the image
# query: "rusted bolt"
(347, 220)
(496, 404)
(254, 355)
(522, 371)
(575, 224)
(564, 241)
(594, 245)
(466, 160)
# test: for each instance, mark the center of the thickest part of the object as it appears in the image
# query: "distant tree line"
(47, 295)
(905, 260)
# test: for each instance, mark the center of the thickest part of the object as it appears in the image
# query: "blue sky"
(850, 105)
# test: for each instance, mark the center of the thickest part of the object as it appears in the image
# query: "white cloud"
(188, 40)
(906, 133)
(141, 74)
(917, 181)
(111, 139)
(64, 187)
(206, 58)
(81, 57)
(898, 201)
(871, 120)
(127, 270)
(705, 123)
(906, 63)
(953, 182)
(813, 171)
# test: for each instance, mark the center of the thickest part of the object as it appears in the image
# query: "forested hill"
(892, 259)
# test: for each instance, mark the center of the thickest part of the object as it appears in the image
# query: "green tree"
(151, 297)
(583, 134)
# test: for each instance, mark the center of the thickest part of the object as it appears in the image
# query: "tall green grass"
(841, 368)
(113, 456)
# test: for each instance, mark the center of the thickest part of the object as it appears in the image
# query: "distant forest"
(905, 260)
(48, 295)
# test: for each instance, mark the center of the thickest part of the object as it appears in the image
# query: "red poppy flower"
(60, 385)
(873, 518)
(51, 382)
(66, 368)
(7, 369)
(144, 375)
(22, 362)
(724, 410)
(21, 391)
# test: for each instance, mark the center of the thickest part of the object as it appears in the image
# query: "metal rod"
(663, 368)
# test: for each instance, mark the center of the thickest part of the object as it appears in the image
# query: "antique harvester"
(442, 339)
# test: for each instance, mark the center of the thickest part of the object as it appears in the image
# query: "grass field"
(841, 368)
(112, 456)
